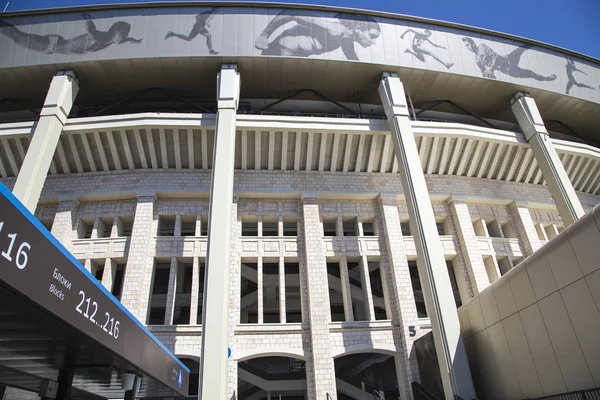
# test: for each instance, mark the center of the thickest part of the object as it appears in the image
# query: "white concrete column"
(359, 227)
(469, 247)
(402, 300)
(140, 261)
(280, 226)
(97, 225)
(213, 360)
(65, 224)
(195, 295)
(530, 120)
(282, 303)
(177, 229)
(339, 226)
(320, 370)
(525, 228)
(198, 230)
(32, 175)
(366, 283)
(88, 264)
(110, 270)
(171, 291)
(259, 226)
(114, 230)
(346, 289)
(439, 298)
(260, 290)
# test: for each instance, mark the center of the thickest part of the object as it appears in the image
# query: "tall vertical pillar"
(530, 120)
(64, 227)
(194, 296)
(110, 270)
(403, 308)
(140, 261)
(320, 367)
(439, 298)
(215, 308)
(469, 247)
(346, 289)
(59, 100)
(171, 291)
(525, 228)
(282, 302)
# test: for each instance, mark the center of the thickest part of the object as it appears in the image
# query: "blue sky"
(573, 24)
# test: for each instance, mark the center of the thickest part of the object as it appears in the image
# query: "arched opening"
(194, 367)
(366, 376)
(272, 378)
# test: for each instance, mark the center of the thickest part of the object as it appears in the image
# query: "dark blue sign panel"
(36, 266)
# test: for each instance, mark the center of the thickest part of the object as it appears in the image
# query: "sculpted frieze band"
(254, 31)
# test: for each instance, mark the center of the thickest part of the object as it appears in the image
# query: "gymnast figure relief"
(90, 41)
(419, 51)
(200, 27)
(572, 81)
(489, 62)
(304, 35)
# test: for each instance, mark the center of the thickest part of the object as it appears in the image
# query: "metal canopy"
(58, 322)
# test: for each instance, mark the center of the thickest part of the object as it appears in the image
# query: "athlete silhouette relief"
(419, 51)
(305, 36)
(572, 81)
(200, 27)
(92, 40)
(489, 61)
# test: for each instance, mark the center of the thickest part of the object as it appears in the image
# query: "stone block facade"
(307, 198)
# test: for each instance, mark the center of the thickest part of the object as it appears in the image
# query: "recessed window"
(290, 226)
(183, 295)
(336, 296)
(188, 225)
(166, 225)
(125, 226)
(158, 299)
(249, 293)
(368, 227)
(204, 226)
(270, 226)
(417, 290)
(440, 228)
(118, 281)
(453, 283)
(105, 227)
(405, 226)
(85, 228)
(250, 226)
(350, 226)
(47, 223)
(329, 226)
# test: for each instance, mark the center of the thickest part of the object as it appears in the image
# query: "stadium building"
(296, 199)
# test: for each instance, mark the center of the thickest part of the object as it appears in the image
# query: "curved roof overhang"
(316, 56)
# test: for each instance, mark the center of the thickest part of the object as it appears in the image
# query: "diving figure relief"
(200, 27)
(90, 41)
(419, 51)
(489, 62)
(305, 36)
(570, 67)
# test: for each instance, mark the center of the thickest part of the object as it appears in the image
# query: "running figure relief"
(419, 51)
(572, 81)
(200, 27)
(489, 62)
(91, 41)
(304, 35)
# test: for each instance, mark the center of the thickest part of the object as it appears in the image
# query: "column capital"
(228, 87)
(309, 197)
(145, 193)
(456, 199)
(68, 198)
(393, 99)
(528, 116)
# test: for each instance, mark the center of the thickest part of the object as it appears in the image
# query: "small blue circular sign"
(228, 352)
